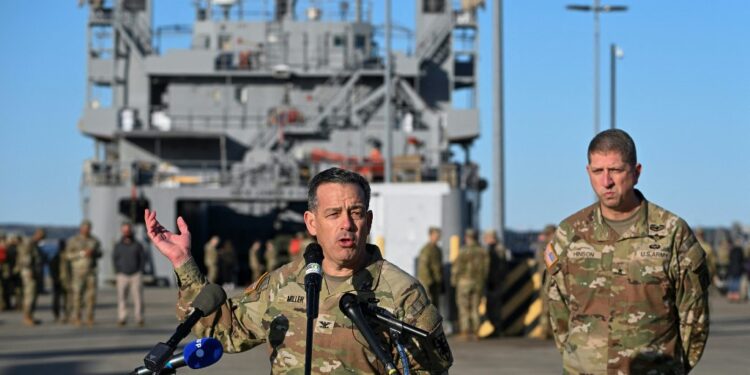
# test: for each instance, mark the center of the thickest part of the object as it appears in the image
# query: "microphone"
(313, 277)
(384, 317)
(208, 300)
(350, 307)
(196, 355)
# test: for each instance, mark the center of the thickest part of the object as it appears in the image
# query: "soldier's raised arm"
(234, 324)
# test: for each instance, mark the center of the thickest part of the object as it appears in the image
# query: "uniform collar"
(602, 231)
(365, 279)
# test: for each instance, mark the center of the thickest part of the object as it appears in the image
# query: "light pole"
(615, 52)
(596, 9)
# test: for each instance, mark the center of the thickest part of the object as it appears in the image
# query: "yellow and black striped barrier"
(519, 303)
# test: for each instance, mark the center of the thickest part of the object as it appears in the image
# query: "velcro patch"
(550, 257)
(325, 324)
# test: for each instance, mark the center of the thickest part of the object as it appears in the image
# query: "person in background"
(83, 251)
(735, 271)
(28, 264)
(211, 259)
(129, 258)
(430, 266)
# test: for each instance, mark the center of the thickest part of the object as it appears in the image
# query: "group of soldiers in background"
(221, 261)
(73, 270)
(478, 272)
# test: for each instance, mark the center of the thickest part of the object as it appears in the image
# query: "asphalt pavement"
(105, 348)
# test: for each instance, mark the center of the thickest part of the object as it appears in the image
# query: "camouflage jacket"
(430, 265)
(630, 304)
(75, 252)
(273, 311)
(28, 258)
(471, 265)
(210, 256)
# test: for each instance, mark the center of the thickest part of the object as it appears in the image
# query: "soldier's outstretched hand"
(176, 247)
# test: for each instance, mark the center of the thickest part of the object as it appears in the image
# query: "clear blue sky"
(683, 90)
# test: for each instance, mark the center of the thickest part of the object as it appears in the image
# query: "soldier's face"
(612, 179)
(435, 236)
(341, 223)
(85, 229)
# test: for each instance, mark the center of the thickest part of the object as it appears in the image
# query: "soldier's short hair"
(614, 140)
(86, 222)
(490, 233)
(433, 230)
(336, 176)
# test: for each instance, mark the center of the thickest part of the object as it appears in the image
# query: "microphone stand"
(313, 280)
(313, 296)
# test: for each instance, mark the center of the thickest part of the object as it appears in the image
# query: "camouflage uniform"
(272, 311)
(710, 257)
(430, 271)
(630, 304)
(83, 274)
(257, 267)
(211, 261)
(469, 276)
(28, 265)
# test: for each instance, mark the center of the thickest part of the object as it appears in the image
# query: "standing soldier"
(59, 270)
(82, 251)
(627, 280)
(710, 255)
(28, 264)
(430, 267)
(228, 264)
(469, 276)
(257, 266)
(211, 259)
(4, 301)
(271, 255)
(499, 256)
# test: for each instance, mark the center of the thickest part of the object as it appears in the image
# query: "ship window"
(133, 209)
(359, 41)
(101, 96)
(433, 6)
(339, 40)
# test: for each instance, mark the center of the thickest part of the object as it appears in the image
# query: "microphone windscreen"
(313, 253)
(209, 299)
(202, 352)
(347, 302)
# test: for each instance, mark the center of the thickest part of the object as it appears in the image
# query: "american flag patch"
(550, 257)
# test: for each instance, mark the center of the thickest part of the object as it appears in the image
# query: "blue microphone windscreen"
(202, 352)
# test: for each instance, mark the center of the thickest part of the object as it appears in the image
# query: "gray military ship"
(227, 131)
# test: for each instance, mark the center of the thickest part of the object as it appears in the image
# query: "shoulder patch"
(260, 284)
(550, 257)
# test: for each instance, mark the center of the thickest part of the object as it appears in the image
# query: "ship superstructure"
(227, 132)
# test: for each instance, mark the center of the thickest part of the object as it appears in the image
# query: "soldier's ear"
(369, 221)
(311, 223)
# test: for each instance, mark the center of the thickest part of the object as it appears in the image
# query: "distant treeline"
(53, 231)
